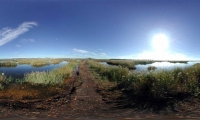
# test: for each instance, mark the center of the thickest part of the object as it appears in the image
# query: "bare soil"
(85, 97)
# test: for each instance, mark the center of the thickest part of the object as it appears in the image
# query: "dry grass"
(55, 61)
(27, 91)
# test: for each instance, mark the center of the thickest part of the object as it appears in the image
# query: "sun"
(160, 42)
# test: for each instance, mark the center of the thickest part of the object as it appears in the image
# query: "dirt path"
(83, 102)
(86, 98)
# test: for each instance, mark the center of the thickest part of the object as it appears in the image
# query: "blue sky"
(100, 29)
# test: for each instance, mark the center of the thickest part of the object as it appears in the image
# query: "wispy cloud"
(9, 34)
(93, 53)
(80, 51)
(26, 40)
(84, 52)
(103, 54)
(32, 40)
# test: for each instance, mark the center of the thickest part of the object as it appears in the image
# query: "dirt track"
(83, 102)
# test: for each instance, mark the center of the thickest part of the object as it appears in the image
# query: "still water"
(20, 70)
(164, 65)
(160, 65)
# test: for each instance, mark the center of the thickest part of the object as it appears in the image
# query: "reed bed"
(112, 73)
(37, 85)
(52, 77)
(159, 84)
(55, 61)
(39, 62)
(130, 64)
(179, 62)
(8, 64)
(123, 63)
(34, 62)
(149, 68)
(5, 80)
(24, 61)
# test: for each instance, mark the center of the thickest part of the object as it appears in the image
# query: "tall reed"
(154, 84)
(52, 77)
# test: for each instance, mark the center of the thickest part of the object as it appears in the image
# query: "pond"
(164, 65)
(20, 70)
(104, 63)
(161, 65)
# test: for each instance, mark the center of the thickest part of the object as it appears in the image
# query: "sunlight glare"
(160, 42)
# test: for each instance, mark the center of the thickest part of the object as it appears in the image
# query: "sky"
(101, 29)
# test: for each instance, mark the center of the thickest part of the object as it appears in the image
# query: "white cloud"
(103, 54)
(80, 51)
(9, 34)
(26, 40)
(85, 52)
(93, 53)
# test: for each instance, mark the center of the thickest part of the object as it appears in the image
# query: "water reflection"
(160, 65)
(164, 65)
(105, 63)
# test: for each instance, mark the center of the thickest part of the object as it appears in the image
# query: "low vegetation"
(55, 61)
(24, 61)
(39, 62)
(151, 68)
(52, 77)
(8, 64)
(130, 64)
(112, 73)
(157, 85)
(37, 85)
(178, 62)
(123, 63)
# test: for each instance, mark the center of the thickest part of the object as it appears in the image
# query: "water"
(160, 65)
(164, 65)
(20, 70)
(105, 63)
